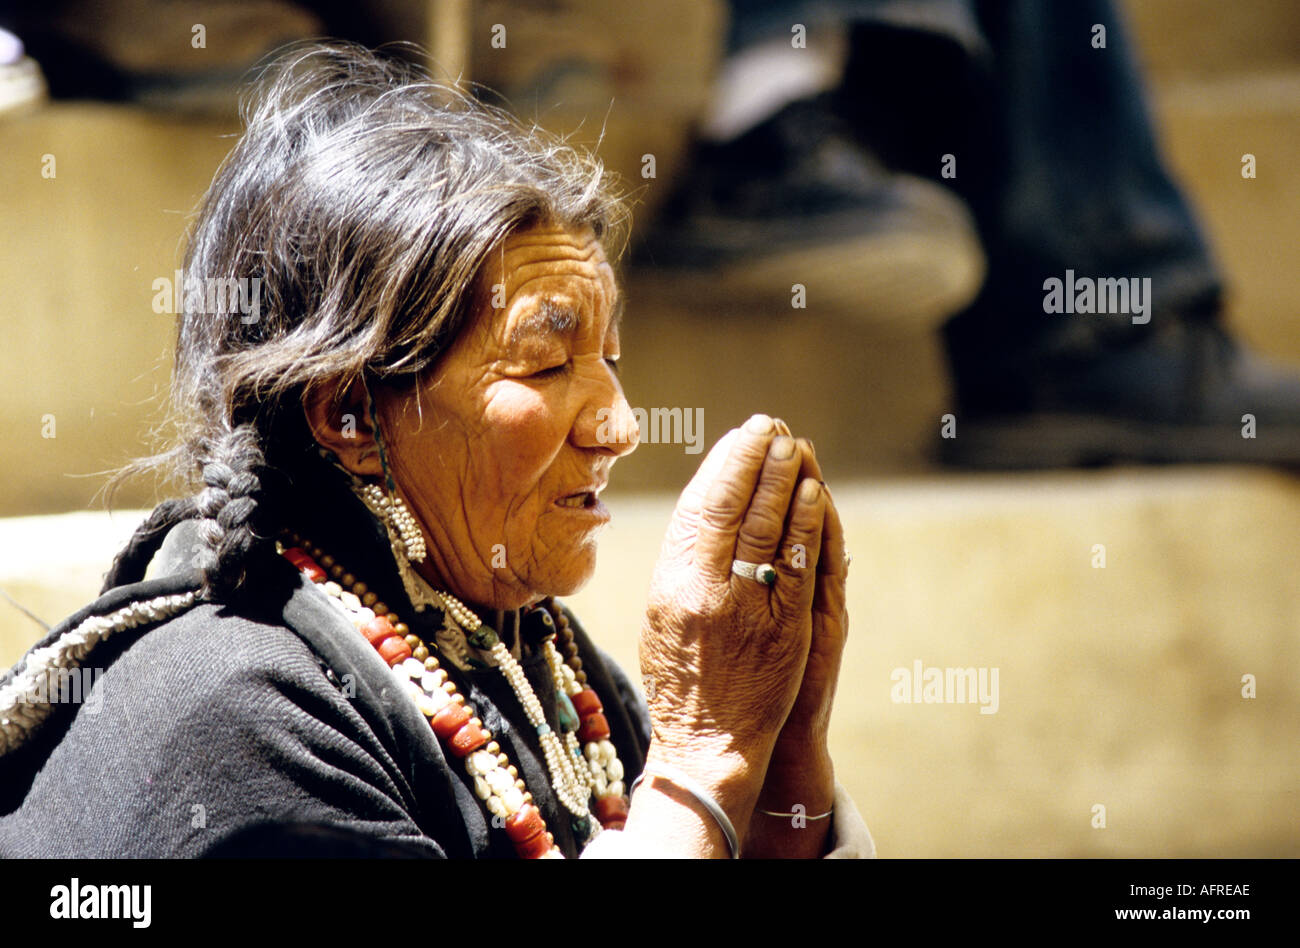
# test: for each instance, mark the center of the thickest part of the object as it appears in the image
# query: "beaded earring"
(404, 533)
(389, 508)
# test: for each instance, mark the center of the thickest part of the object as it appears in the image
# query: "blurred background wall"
(1120, 686)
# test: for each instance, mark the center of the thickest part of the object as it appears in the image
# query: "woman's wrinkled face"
(501, 455)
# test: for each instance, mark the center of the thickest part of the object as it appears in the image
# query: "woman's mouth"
(584, 498)
(586, 505)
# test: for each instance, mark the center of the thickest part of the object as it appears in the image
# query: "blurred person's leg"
(1056, 156)
(779, 191)
(1052, 146)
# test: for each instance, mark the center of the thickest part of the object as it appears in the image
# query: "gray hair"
(366, 200)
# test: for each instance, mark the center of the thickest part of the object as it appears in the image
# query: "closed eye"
(613, 365)
(552, 371)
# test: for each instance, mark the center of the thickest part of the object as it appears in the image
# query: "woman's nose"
(607, 421)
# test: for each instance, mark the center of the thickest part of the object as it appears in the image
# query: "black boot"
(798, 200)
(1181, 390)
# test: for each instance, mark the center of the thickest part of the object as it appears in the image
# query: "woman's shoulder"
(150, 659)
(158, 637)
(194, 721)
(77, 647)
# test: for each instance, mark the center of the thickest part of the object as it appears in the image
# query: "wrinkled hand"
(724, 656)
(799, 771)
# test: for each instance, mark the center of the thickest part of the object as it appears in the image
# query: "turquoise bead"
(568, 714)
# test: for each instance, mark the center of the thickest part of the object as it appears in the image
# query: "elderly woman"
(350, 641)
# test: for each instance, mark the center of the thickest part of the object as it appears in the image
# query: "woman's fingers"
(797, 551)
(796, 570)
(759, 538)
(810, 466)
(728, 497)
(741, 505)
(801, 551)
(832, 570)
(810, 715)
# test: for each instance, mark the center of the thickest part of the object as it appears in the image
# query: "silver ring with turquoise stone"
(764, 573)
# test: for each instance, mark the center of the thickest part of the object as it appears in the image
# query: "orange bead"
(449, 720)
(534, 848)
(525, 823)
(305, 564)
(377, 629)
(586, 702)
(468, 739)
(594, 727)
(394, 650)
(611, 809)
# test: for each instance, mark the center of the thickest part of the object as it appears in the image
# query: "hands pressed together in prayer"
(741, 675)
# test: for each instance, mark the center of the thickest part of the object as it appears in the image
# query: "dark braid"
(229, 512)
(130, 564)
(229, 509)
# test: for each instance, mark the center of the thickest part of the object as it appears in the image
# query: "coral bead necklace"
(583, 764)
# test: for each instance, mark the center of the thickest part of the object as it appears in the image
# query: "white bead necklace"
(572, 790)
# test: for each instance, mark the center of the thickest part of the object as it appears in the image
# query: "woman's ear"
(339, 420)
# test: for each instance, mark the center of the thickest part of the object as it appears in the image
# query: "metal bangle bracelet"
(673, 775)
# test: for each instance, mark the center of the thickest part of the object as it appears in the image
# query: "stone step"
(1118, 685)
